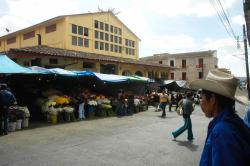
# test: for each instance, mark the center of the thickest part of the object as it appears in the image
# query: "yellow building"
(95, 41)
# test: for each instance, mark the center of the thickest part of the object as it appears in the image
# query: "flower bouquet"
(69, 113)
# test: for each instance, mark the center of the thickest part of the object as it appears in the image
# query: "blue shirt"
(225, 145)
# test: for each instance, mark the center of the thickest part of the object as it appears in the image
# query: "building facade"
(186, 66)
(85, 35)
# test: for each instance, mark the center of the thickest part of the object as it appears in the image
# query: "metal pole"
(246, 59)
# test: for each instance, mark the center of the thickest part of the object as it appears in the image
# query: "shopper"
(6, 100)
(163, 102)
(187, 106)
(228, 137)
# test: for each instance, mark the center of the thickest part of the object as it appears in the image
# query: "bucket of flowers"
(69, 111)
(106, 104)
(91, 106)
(53, 114)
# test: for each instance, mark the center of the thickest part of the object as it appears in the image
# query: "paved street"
(138, 140)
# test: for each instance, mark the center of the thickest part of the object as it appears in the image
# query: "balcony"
(184, 66)
(199, 66)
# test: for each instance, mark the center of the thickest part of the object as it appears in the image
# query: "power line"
(223, 17)
(227, 20)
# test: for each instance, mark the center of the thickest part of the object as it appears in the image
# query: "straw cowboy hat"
(221, 83)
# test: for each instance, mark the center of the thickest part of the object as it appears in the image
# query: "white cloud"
(239, 19)
(182, 7)
(153, 45)
(228, 55)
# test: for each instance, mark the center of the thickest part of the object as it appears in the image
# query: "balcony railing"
(199, 66)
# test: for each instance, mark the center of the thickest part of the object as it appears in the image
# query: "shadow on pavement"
(188, 144)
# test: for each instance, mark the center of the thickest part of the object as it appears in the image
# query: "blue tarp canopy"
(111, 77)
(62, 72)
(7, 66)
(40, 70)
(84, 73)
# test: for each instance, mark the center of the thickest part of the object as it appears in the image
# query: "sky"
(164, 26)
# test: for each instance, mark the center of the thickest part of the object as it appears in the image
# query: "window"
(129, 51)
(111, 38)
(29, 35)
(111, 28)
(126, 42)
(106, 37)
(126, 50)
(0, 43)
(74, 40)
(160, 62)
(53, 61)
(96, 34)
(120, 40)
(184, 63)
(119, 31)
(106, 27)
(106, 46)
(96, 24)
(184, 75)
(74, 28)
(115, 30)
(172, 76)
(80, 30)
(200, 75)
(50, 28)
(96, 44)
(101, 45)
(88, 65)
(133, 44)
(86, 31)
(36, 62)
(80, 41)
(111, 47)
(116, 48)
(120, 49)
(86, 42)
(172, 63)
(11, 40)
(200, 62)
(116, 39)
(101, 25)
(101, 36)
(26, 63)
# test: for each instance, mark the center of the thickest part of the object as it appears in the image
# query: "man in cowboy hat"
(228, 138)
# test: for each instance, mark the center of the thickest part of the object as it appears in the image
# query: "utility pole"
(246, 59)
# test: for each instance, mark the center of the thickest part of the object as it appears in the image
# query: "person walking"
(163, 102)
(187, 107)
(6, 100)
(228, 137)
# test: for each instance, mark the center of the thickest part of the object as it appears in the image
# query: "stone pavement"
(143, 139)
